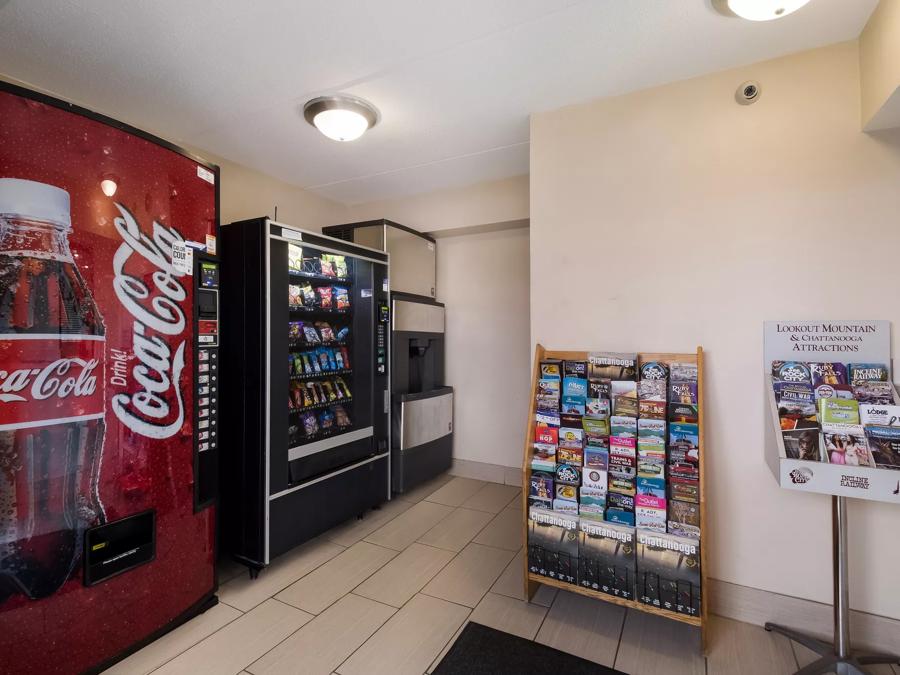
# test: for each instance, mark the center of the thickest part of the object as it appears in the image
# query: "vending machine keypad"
(206, 368)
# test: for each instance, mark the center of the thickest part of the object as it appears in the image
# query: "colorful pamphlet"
(838, 410)
(880, 415)
(868, 372)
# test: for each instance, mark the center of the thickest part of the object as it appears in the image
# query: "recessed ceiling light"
(342, 117)
(758, 10)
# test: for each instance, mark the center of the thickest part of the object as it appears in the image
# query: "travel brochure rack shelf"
(843, 480)
(531, 580)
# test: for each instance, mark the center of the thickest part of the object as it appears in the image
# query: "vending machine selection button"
(203, 401)
(202, 390)
(214, 356)
(204, 412)
(204, 355)
(202, 379)
(203, 424)
(204, 446)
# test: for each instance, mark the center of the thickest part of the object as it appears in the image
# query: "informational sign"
(843, 341)
(823, 341)
(183, 258)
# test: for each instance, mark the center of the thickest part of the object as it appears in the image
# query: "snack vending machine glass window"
(306, 441)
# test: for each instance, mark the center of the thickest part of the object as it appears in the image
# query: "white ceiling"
(455, 80)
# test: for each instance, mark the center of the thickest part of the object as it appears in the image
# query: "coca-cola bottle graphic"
(52, 342)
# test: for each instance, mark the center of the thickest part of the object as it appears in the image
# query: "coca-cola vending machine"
(108, 386)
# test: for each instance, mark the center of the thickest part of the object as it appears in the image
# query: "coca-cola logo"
(159, 321)
(54, 379)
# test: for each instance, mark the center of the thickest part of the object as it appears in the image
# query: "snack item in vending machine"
(325, 331)
(326, 269)
(346, 356)
(309, 332)
(310, 424)
(297, 395)
(341, 298)
(324, 297)
(340, 266)
(320, 391)
(308, 296)
(313, 394)
(326, 420)
(295, 298)
(295, 258)
(343, 385)
(341, 416)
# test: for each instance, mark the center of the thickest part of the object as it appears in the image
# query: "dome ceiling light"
(758, 10)
(341, 117)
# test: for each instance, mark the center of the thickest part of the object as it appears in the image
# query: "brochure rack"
(843, 341)
(532, 580)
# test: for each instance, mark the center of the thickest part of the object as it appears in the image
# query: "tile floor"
(390, 593)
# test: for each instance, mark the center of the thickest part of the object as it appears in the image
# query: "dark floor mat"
(480, 650)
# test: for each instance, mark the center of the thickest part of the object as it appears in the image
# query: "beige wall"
(246, 193)
(672, 218)
(483, 280)
(879, 66)
(479, 204)
(482, 277)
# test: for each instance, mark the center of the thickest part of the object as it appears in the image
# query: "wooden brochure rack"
(532, 580)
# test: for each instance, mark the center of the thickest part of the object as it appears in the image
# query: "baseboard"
(492, 473)
(756, 606)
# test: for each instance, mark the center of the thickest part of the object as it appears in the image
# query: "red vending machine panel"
(103, 544)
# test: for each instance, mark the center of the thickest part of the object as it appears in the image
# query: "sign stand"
(856, 341)
(837, 657)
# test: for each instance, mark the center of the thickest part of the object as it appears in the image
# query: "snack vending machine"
(306, 428)
(108, 330)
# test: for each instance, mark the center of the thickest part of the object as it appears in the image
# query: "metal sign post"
(838, 657)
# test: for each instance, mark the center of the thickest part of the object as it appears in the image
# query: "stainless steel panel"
(372, 236)
(413, 262)
(328, 443)
(417, 317)
(425, 419)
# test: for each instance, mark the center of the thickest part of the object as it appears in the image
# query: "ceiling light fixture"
(758, 10)
(341, 117)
